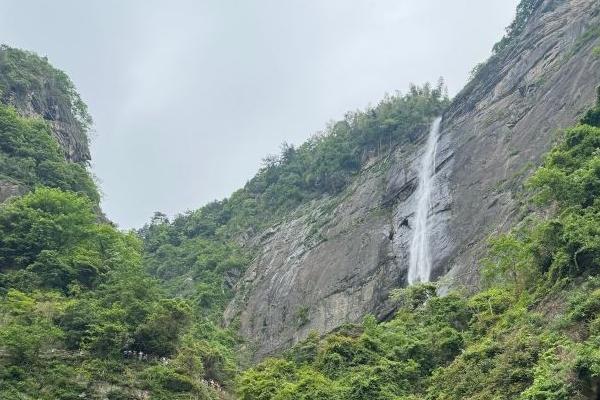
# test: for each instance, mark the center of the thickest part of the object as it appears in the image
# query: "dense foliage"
(31, 156)
(324, 165)
(194, 267)
(74, 297)
(197, 255)
(533, 333)
(29, 82)
(50, 239)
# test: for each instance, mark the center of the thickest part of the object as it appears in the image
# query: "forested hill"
(35, 88)
(44, 128)
(307, 262)
(79, 315)
(83, 314)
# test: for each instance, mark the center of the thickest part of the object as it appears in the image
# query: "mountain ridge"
(308, 261)
(494, 115)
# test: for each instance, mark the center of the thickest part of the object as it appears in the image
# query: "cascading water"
(419, 268)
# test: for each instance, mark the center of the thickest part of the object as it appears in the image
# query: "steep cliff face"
(336, 259)
(36, 89)
(333, 261)
(503, 123)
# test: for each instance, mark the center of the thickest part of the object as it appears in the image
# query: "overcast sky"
(189, 96)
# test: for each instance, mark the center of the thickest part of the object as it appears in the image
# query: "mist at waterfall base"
(419, 269)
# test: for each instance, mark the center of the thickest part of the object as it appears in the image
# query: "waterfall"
(420, 259)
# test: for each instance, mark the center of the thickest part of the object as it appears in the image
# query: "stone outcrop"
(48, 95)
(502, 124)
(36, 89)
(63, 124)
(336, 259)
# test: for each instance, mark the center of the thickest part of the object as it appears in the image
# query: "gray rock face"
(65, 129)
(45, 100)
(501, 126)
(335, 260)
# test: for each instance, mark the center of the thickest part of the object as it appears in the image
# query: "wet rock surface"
(545, 83)
(335, 260)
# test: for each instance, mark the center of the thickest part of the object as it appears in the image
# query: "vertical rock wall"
(336, 259)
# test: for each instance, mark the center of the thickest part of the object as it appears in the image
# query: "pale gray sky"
(189, 96)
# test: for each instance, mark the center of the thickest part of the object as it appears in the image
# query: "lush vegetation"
(322, 166)
(326, 163)
(74, 297)
(30, 156)
(29, 82)
(197, 256)
(533, 333)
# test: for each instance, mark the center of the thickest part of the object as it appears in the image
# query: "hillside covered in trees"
(76, 298)
(80, 297)
(90, 311)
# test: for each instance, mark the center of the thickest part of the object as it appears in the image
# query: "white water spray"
(420, 259)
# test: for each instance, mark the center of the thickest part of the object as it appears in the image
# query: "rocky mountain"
(336, 259)
(36, 89)
(506, 119)
(306, 258)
